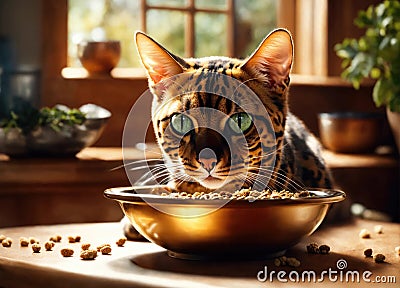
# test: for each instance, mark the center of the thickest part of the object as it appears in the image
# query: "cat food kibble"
(368, 252)
(106, 250)
(364, 233)
(121, 241)
(312, 248)
(102, 246)
(73, 239)
(397, 250)
(88, 254)
(33, 240)
(292, 262)
(324, 249)
(243, 194)
(378, 229)
(379, 258)
(55, 238)
(85, 246)
(286, 261)
(24, 242)
(49, 245)
(67, 252)
(36, 248)
(7, 242)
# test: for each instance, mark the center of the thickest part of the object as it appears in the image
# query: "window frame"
(311, 57)
(190, 11)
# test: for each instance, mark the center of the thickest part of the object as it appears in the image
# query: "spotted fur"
(193, 87)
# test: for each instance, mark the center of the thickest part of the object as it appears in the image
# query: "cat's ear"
(159, 63)
(273, 59)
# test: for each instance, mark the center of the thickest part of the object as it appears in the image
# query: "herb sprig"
(29, 119)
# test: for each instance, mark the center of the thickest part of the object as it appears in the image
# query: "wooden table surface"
(143, 264)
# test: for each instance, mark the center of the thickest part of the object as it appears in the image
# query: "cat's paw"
(130, 232)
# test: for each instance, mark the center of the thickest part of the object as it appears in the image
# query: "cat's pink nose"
(207, 159)
(208, 164)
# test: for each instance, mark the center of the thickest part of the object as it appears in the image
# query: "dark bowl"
(99, 57)
(351, 132)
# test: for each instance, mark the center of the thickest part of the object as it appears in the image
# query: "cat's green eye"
(240, 122)
(181, 124)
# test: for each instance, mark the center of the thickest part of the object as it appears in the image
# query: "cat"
(209, 155)
(266, 73)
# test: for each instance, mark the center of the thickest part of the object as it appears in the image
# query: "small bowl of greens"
(57, 132)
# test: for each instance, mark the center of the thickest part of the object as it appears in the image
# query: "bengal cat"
(224, 123)
(212, 134)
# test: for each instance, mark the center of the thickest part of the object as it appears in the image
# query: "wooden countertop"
(143, 264)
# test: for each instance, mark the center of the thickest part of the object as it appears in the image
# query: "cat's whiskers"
(281, 178)
(270, 153)
(135, 162)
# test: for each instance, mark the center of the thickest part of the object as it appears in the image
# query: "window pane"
(216, 4)
(103, 19)
(168, 28)
(118, 19)
(169, 3)
(211, 35)
(255, 19)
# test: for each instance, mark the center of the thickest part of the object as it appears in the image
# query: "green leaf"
(375, 73)
(383, 92)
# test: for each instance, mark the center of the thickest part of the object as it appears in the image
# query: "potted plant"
(376, 55)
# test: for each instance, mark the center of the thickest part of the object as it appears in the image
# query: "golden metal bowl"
(351, 132)
(196, 229)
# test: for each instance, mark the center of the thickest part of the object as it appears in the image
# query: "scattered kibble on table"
(67, 252)
(314, 248)
(121, 241)
(49, 245)
(85, 246)
(368, 252)
(102, 246)
(286, 261)
(324, 249)
(379, 258)
(55, 238)
(106, 250)
(73, 239)
(24, 242)
(378, 229)
(36, 248)
(88, 254)
(7, 242)
(364, 233)
(33, 240)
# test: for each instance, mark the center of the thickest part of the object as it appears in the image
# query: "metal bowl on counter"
(45, 141)
(351, 132)
(201, 229)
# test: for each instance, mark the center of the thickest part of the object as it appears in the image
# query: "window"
(191, 28)
(118, 93)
